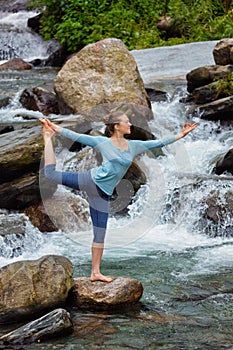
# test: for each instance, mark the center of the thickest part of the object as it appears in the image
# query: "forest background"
(76, 23)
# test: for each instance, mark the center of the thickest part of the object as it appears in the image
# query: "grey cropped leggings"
(97, 199)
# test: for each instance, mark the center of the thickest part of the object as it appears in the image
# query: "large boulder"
(223, 52)
(29, 287)
(99, 73)
(121, 292)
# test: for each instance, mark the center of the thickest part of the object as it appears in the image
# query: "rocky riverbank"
(22, 181)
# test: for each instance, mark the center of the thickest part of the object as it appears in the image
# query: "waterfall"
(18, 40)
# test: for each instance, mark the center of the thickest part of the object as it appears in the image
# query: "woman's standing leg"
(99, 221)
(99, 210)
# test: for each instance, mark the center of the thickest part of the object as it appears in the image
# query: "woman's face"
(124, 125)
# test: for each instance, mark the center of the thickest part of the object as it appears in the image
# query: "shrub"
(76, 23)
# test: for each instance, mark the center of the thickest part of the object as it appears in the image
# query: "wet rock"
(122, 291)
(16, 234)
(39, 99)
(221, 109)
(225, 163)
(20, 157)
(5, 129)
(12, 224)
(20, 193)
(100, 73)
(54, 324)
(34, 23)
(4, 100)
(218, 208)
(205, 94)
(15, 64)
(156, 95)
(205, 75)
(29, 287)
(64, 211)
(223, 52)
(25, 191)
(57, 55)
(40, 218)
(20, 153)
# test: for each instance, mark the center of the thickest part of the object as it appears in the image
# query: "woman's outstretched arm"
(87, 140)
(187, 128)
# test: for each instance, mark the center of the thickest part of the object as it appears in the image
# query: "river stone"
(225, 163)
(99, 73)
(122, 291)
(205, 75)
(221, 109)
(223, 52)
(30, 287)
(53, 324)
(12, 224)
(64, 211)
(4, 100)
(216, 210)
(39, 218)
(39, 99)
(15, 64)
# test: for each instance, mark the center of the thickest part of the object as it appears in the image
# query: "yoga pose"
(99, 183)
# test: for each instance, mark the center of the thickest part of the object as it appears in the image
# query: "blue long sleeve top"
(115, 161)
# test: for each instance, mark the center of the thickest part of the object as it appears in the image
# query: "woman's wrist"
(179, 136)
(58, 129)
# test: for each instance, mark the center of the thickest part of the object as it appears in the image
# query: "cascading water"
(166, 240)
(18, 40)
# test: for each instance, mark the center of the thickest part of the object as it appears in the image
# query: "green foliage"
(224, 86)
(76, 23)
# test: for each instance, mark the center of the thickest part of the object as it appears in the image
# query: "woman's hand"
(51, 125)
(47, 131)
(187, 128)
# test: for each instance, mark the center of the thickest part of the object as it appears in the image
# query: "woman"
(99, 183)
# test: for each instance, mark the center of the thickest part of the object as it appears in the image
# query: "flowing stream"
(184, 262)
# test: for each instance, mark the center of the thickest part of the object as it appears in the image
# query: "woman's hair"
(111, 120)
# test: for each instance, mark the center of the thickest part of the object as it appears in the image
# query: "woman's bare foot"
(99, 277)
